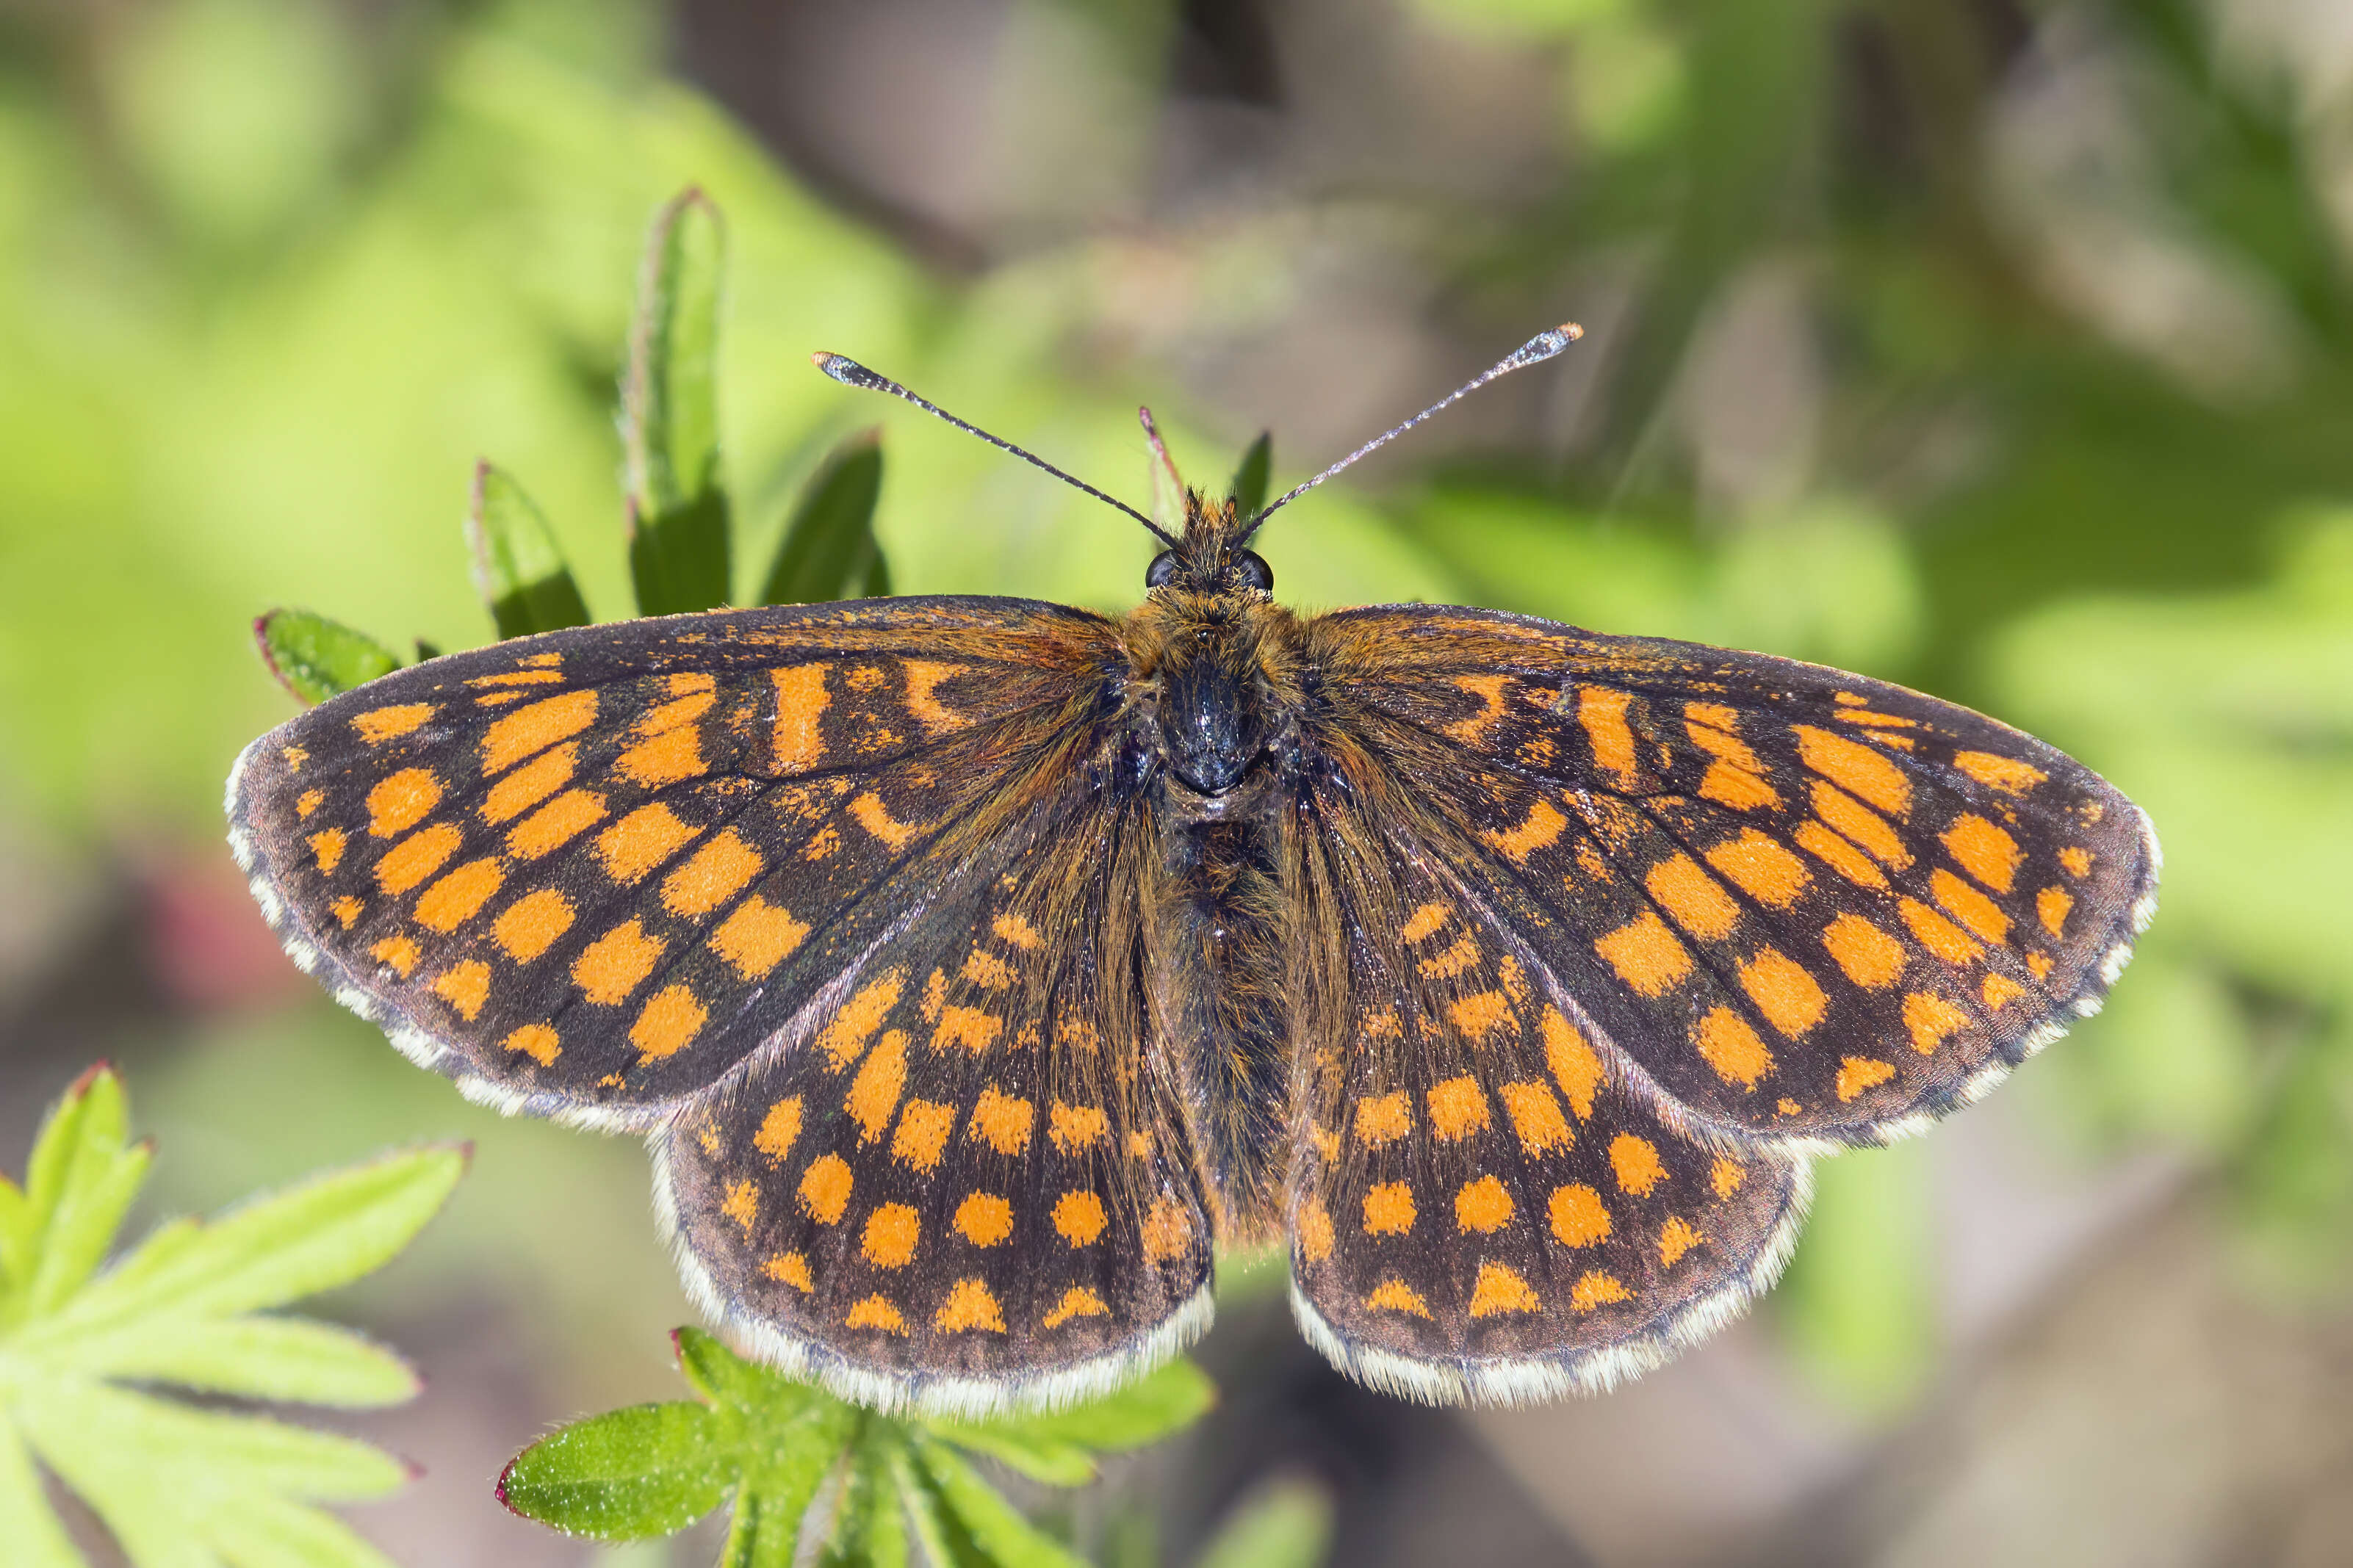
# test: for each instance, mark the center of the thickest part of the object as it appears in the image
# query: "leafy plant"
(675, 495)
(183, 1487)
(776, 1449)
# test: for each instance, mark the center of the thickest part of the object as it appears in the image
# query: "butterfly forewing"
(972, 1185)
(1806, 906)
(1481, 1208)
(587, 873)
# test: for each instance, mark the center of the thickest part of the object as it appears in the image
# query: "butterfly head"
(1211, 558)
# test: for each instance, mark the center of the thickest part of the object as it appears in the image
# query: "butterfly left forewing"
(587, 873)
(1484, 1208)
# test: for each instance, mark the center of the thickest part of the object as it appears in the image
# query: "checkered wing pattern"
(1487, 1205)
(970, 1184)
(588, 874)
(1794, 907)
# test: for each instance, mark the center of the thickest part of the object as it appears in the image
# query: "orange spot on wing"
(2004, 773)
(1760, 866)
(1575, 1064)
(1937, 934)
(923, 682)
(1728, 784)
(873, 816)
(1480, 1015)
(1646, 955)
(668, 1023)
(1002, 1121)
(2077, 862)
(1384, 1119)
(876, 1311)
(1602, 713)
(824, 1188)
(1483, 1206)
(536, 1041)
(742, 1204)
(1931, 1019)
(1424, 921)
(517, 678)
(1079, 1218)
(1968, 906)
(1541, 826)
(310, 801)
(535, 727)
(790, 1269)
(328, 845)
(874, 1092)
(1984, 851)
(1696, 901)
(1315, 1231)
(556, 824)
(1580, 1218)
(890, 1237)
(452, 901)
(1596, 1288)
(1857, 822)
(381, 724)
(1489, 690)
(1856, 1074)
(778, 1128)
(1727, 1044)
(710, 876)
(1636, 1163)
(1499, 1290)
(465, 986)
(1167, 1232)
(402, 800)
(1870, 957)
(347, 910)
(1677, 1237)
(801, 700)
(1457, 1109)
(1397, 1295)
(1784, 991)
(2040, 964)
(417, 857)
(1075, 1126)
(984, 1219)
(1452, 961)
(1078, 1301)
(1019, 932)
(1839, 855)
(1726, 1176)
(966, 1026)
(756, 937)
(641, 841)
(2050, 906)
(611, 967)
(1536, 1117)
(922, 1135)
(1877, 721)
(1389, 1209)
(668, 757)
(530, 784)
(1999, 990)
(987, 969)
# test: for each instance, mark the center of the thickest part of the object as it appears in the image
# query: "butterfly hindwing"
(1482, 1207)
(965, 1182)
(1809, 907)
(587, 873)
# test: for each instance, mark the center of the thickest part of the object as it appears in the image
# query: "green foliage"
(1283, 1524)
(829, 550)
(314, 657)
(1250, 476)
(776, 1447)
(519, 568)
(189, 1308)
(669, 414)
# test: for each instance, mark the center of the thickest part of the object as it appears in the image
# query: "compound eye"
(1253, 571)
(1162, 570)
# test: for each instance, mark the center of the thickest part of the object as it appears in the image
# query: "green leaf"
(997, 1528)
(316, 659)
(1250, 476)
(870, 1523)
(518, 568)
(174, 1485)
(1153, 1407)
(651, 1469)
(829, 549)
(669, 415)
(1283, 1524)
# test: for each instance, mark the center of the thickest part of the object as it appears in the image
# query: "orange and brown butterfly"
(977, 967)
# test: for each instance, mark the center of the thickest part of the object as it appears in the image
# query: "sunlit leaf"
(1250, 476)
(669, 415)
(518, 568)
(314, 657)
(829, 550)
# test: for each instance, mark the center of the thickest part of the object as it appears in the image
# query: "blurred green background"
(2000, 348)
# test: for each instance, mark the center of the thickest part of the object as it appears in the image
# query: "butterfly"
(977, 967)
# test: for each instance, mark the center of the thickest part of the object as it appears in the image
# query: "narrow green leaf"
(269, 1532)
(829, 548)
(946, 1541)
(1249, 486)
(869, 1526)
(314, 657)
(1283, 1524)
(15, 1238)
(1054, 1460)
(1146, 1411)
(323, 1233)
(107, 1442)
(722, 1377)
(80, 1179)
(35, 1536)
(648, 1470)
(669, 414)
(281, 1358)
(996, 1526)
(519, 569)
(877, 583)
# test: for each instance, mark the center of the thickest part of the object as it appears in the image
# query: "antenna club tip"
(1570, 331)
(844, 369)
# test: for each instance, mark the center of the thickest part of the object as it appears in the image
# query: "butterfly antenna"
(849, 372)
(1536, 350)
